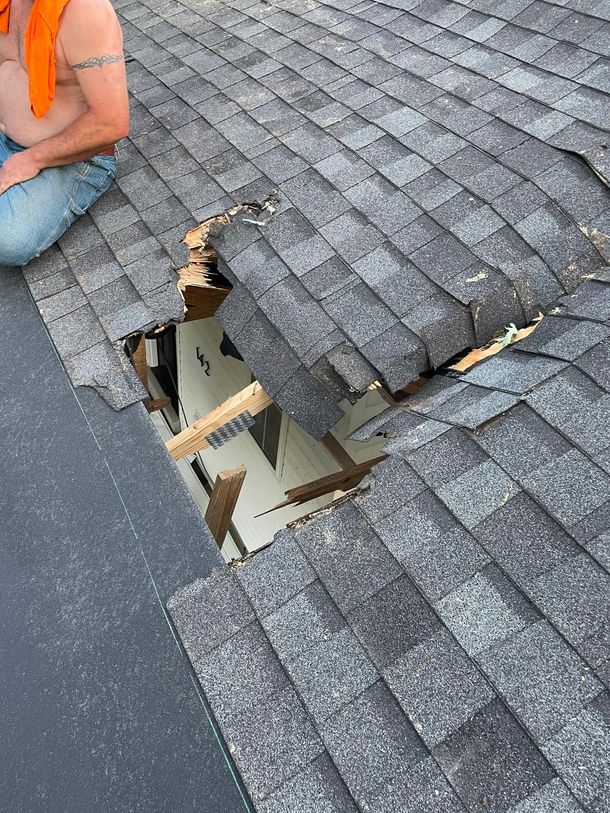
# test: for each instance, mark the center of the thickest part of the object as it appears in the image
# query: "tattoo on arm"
(99, 61)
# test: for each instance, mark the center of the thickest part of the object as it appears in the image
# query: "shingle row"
(435, 220)
(446, 628)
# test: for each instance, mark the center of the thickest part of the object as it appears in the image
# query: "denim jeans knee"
(36, 213)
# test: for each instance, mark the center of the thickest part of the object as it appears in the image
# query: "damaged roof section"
(441, 174)
(440, 639)
(92, 294)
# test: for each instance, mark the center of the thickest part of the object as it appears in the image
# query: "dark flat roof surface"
(99, 708)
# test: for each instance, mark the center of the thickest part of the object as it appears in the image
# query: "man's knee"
(14, 251)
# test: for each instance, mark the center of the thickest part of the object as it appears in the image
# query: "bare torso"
(16, 119)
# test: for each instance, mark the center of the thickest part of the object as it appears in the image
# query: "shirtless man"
(53, 168)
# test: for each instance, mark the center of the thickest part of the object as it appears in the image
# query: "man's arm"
(92, 42)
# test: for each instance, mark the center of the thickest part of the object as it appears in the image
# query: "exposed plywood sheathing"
(252, 398)
(198, 279)
(202, 287)
(223, 501)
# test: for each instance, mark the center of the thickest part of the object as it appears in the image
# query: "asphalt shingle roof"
(446, 626)
(431, 163)
(440, 640)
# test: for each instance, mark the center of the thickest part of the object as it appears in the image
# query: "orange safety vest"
(40, 36)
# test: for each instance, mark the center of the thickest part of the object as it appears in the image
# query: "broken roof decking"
(429, 183)
(430, 190)
(439, 641)
(96, 287)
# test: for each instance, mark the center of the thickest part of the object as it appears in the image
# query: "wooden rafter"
(193, 439)
(223, 501)
(337, 452)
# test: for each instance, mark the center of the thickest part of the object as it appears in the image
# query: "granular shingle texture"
(434, 165)
(439, 641)
(446, 626)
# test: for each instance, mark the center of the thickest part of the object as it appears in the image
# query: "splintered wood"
(193, 439)
(198, 280)
(200, 284)
(343, 480)
(482, 353)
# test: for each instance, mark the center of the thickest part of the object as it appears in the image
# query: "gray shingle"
(398, 354)
(424, 519)
(577, 407)
(438, 687)
(485, 610)
(76, 331)
(491, 762)
(448, 457)
(474, 406)
(392, 746)
(575, 596)
(240, 673)
(393, 621)
(554, 797)
(331, 674)
(300, 320)
(317, 786)
(351, 235)
(569, 487)
(580, 752)
(521, 442)
(541, 678)
(209, 611)
(524, 540)
(360, 314)
(443, 325)
(349, 559)
(275, 574)
(290, 741)
(513, 372)
(476, 494)
(304, 621)
(344, 169)
(596, 364)
(393, 278)
(387, 488)
(386, 207)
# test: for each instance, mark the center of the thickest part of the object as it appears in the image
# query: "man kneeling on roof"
(63, 105)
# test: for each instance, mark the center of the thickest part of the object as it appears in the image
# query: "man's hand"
(18, 168)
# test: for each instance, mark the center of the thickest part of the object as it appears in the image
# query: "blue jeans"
(34, 214)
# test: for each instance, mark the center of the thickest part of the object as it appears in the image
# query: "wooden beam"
(253, 398)
(337, 452)
(223, 501)
(339, 481)
(155, 404)
(138, 359)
